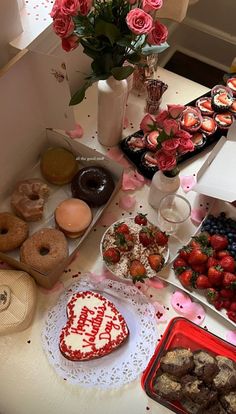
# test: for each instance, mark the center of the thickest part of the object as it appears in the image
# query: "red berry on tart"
(156, 261)
(111, 255)
(137, 271)
(146, 236)
(141, 219)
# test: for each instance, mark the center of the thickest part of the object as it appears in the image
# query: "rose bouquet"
(111, 32)
(171, 141)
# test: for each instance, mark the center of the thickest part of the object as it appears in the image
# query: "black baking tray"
(136, 159)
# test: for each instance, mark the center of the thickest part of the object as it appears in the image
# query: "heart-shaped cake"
(94, 327)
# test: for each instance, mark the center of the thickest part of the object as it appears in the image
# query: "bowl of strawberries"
(134, 249)
(207, 264)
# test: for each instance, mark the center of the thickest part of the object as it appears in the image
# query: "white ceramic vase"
(162, 185)
(112, 98)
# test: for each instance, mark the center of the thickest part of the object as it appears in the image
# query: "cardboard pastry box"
(32, 103)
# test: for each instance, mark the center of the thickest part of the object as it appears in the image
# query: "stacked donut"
(45, 249)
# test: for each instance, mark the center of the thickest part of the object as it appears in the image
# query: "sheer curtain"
(10, 27)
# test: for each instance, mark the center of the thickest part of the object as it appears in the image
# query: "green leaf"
(134, 58)
(162, 136)
(123, 72)
(108, 30)
(80, 94)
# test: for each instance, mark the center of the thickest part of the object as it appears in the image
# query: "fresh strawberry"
(202, 282)
(185, 252)
(226, 293)
(146, 236)
(212, 295)
(228, 263)
(229, 280)
(222, 253)
(218, 242)
(194, 244)
(161, 238)
(121, 228)
(233, 306)
(199, 268)
(156, 261)
(179, 262)
(203, 239)
(215, 275)
(199, 256)
(219, 303)
(124, 242)
(141, 219)
(137, 271)
(212, 261)
(226, 303)
(231, 315)
(187, 278)
(111, 255)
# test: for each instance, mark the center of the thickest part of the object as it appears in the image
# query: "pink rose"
(158, 34)
(161, 117)
(185, 145)
(170, 126)
(175, 110)
(85, 6)
(165, 161)
(149, 5)
(70, 43)
(70, 7)
(147, 123)
(170, 145)
(63, 25)
(132, 2)
(183, 134)
(139, 22)
(55, 8)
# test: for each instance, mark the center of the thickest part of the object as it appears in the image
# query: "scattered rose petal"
(198, 214)
(117, 155)
(139, 177)
(231, 337)
(56, 288)
(76, 133)
(182, 303)
(125, 123)
(187, 182)
(127, 202)
(160, 312)
(107, 219)
(155, 283)
(131, 181)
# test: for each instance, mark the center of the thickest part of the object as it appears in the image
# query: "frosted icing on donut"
(94, 327)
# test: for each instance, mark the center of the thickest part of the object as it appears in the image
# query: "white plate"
(124, 364)
(125, 256)
(168, 273)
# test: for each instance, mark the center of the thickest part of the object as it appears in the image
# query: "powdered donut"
(44, 250)
(13, 231)
(28, 199)
(73, 216)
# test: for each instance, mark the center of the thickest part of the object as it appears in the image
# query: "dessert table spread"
(29, 384)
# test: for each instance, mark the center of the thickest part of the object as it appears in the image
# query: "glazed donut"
(13, 231)
(58, 165)
(44, 250)
(94, 185)
(28, 199)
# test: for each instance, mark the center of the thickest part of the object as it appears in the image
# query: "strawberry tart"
(94, 328)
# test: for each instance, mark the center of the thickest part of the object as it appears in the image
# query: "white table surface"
(29, 385)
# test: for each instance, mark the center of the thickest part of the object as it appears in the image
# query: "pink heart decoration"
(127, 202)
(117, 155)
(94, 327)
(78, 132)
(187, 182)
(183, 304)
(231, 337)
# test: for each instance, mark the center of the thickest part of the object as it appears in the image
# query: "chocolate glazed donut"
(94, 185)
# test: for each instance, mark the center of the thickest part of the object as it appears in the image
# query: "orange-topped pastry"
(73, 216)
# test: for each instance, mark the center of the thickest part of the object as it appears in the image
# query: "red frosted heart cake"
(94, 327)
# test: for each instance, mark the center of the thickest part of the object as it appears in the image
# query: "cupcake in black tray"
(221, 101)
(198, 139)
(208, 125)
(148, 164)
(134, 146)
(224, 120)
(151, 140)
(204, 104)
(231, 83)
(191, 119)
(233, 108)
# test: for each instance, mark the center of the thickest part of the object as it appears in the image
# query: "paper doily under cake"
(124, 364)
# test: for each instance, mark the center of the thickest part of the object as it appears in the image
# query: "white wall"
(10, 27)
